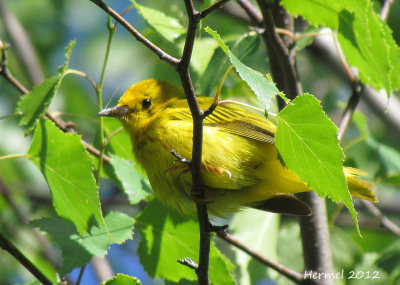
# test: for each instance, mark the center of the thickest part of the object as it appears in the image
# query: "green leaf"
(307, 141)
(367, 270)
(264, 240)
(78, 250)
(366, 41)
(122, 279)
(387, 156)
(203, 51)
(64, 233)
(389, 260)
(244, 46)
(131, 180)
(316, 12)
(290, 251)
(167, 237)
(261, 86)
(120, 142)
(67, 168)
(34, 104)
(168, 27)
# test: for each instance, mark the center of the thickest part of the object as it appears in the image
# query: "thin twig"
(350, 108)
(81, 271)
(289, 273)
(212, 8)
(384, 221)
(22, 215)
(23, 45)
(5, 72)
(254, 15)
(161, 54)
(384, 14)
(8, 246)
(82, 74)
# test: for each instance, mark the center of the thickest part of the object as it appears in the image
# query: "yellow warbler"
(240, 165)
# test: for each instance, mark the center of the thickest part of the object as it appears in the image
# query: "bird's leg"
(180, 158)
(216, 229)
(185, 163)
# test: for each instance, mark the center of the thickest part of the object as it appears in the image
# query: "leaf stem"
(80, 73)
(99, 92)
(12, 156)
(81, 271)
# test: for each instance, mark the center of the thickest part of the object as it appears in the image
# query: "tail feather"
(358, 187)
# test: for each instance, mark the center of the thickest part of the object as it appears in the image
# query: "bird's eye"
(146, 103)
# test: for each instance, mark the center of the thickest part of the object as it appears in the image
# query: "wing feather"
(232, 119)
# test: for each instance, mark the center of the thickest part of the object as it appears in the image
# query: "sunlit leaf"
(67, 168)
(365, 39)
(122, 279)
(307, 141)
(167, 237)
(169, 27)
(131, 180)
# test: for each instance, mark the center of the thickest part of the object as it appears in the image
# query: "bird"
(240, 166)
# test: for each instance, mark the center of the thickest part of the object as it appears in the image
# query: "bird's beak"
(117, 112)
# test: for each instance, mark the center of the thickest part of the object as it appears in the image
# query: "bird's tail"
(358, 187)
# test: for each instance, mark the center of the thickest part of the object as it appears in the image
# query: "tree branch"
(8, 246)
(287, 272)
(314, 229)
(161, 54)
(384, 221)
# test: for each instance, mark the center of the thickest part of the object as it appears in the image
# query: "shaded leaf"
(67, 168)
(369, 272)
(131, 180)
(120, 142)
(244, 46)
(78, 250)
(307, 141)
(167, 237)
(264, 240)
(261, 86)
(34, 104)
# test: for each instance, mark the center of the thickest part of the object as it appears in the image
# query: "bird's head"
(142, 102)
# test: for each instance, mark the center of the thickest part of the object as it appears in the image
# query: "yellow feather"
(240, 165)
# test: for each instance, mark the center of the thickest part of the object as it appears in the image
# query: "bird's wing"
(233, 119)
